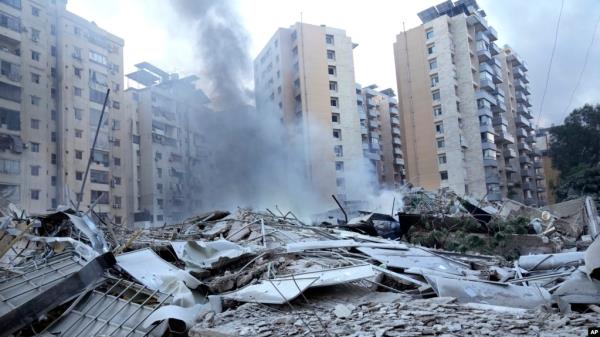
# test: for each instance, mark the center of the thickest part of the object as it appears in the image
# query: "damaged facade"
(167, 142)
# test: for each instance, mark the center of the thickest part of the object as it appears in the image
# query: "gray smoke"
(253, 162)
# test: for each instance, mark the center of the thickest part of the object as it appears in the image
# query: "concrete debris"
(442, 265)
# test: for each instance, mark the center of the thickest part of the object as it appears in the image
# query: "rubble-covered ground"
(441, 265)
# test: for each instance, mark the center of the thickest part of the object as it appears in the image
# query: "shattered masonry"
(349, 273)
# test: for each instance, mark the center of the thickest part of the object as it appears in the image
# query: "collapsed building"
(267, 273)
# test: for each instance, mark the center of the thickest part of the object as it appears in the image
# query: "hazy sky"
(153, 33)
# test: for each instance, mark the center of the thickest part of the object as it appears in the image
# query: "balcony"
(504, 137)
(487, 84)
(365, 145)
(362, 114)
(397, 150)
(396, 141)
(488, 162)
(521, 133)
(524, 160)
(482, 36)
(399, 161)
(518, 72)
(509, 153)
(373, 155)
(521, 121)
(482, 94)
(524, 147)
(363, 130)
(396, 131)
(494, 196)
(478, 22)
(395, 121)
(488, 146)
(370, 102)
(510, 168)
(393, 111)
(500, 107)
(499, 120)
(514, 59)
(487, 128)
(492, 179)
(373, 113)
(483, 55)
(375, 146)
(491, 33)
(522, 109)
(538, 164)
(519, 85)
(528, 185)
(494, 49)
(374, 124)
(521, 98)
(541, 188)
(359, 98)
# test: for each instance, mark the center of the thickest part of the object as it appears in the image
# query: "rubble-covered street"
(351, 272)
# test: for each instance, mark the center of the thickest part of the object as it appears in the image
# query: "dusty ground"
(387, 314)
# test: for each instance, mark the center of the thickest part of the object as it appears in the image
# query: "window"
(117, 180)
(97, 96)
(35, 194)
(337, 134)
(116, 142)
(340, 182)
(53, 180)
(35, 123)
(442, 158)
(53, 136)
(444, 175)
(35, 100)
(35, 78)
(331, 55)
(77, 91)
(78, 113)
(53, 51)
(329, 39)
(160, 203)
(13, 3)
(457, 106)
(435, 95)
(489, 154)
(53, 159)
(53, 29)
(78, 175)
(77, 71)
(159, 172)
(35, 35)
(117, 105)
(35, 55)
(35, 11)
(117, 201)
(294, 53)
(99, 177)
(338, 150)
(76, 30)
(440, 143)
(435, 80)
(339, 166)
(117, 161)
(333, 101)
(8, 166)
(78, 154)
(439, 127)
(429, 33)
(76, 53)
(437, 110)
(333, 86)
(430, 49)
(78, 133)
(101, 196)
(332, 70)
(335, 117)
(35, 170)
(487, 137)
(433, 64)
(98, 58)
(35, 147)
(10, 22)
(116, 124)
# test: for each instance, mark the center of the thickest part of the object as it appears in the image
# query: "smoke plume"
(253, 162)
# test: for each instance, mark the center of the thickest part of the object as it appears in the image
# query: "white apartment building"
(56, 69)
(305, 75)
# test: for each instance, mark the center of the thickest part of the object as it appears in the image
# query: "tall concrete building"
(305, 75)
(56, 69)
(462, 101)
(380, 133)
(169, 151)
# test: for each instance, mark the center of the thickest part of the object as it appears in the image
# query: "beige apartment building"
(56, 69)
(305, 76)
(169, 151)
(464, 107)
(381, 135)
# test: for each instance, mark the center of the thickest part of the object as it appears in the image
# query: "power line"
(587, 54)
(562, 4)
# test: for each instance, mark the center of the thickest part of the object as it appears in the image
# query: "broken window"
(101, 196)
(10, 192)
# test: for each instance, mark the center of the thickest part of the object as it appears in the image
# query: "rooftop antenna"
(87, 169)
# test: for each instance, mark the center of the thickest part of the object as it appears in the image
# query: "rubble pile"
(350, 272)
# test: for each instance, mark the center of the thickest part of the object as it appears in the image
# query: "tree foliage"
(575, 152)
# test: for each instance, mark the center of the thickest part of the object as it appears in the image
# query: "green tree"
(575, 152)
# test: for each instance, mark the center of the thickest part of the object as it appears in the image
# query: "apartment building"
(56, 69)
(305, 76)
(380, 134)
(464, 107)
(550, 173)
(169, 151)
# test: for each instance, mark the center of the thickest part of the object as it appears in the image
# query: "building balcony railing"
(395, 121)
(370, 102)
(396, 141)
(514, 59)
(488, 162)
(509, 153)
(524, 160)
(484, 55)
(373, 113)
(399, 161)
(394, 111)
(538, 164)
(499, 120)
(494, 196)
(487, 84)
(397, 150)
(492, 179)
(521, 133)
(494, 49)
(504, 137)
(528, 185)
(396, 131)
(492, 33)
(524, 147)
